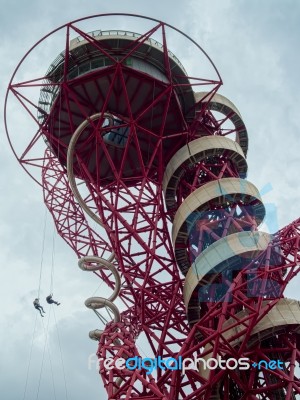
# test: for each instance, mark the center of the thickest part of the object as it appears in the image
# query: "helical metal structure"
(216, 214)
(70, 163)
(164, 179)
(215, 211)
(95, 303)
(98, 263)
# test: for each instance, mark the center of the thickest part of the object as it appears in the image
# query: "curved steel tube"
(93, 303)
(70, 163)
(101, 264)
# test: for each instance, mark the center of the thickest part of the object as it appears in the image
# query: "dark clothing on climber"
(49, 300)
(37, 305)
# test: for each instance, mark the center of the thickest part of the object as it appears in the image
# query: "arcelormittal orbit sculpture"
(143, 169)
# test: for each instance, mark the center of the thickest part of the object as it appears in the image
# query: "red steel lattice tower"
(124, 137)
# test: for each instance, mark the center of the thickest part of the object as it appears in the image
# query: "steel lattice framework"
(124, 137)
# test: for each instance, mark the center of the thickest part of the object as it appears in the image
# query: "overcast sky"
(255, 46)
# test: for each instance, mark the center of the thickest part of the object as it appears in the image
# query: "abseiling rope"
(61, 355)
(42, 253)
(38, 295)
(46, 344)
(30, 355)
(52, 261)
(84, 263)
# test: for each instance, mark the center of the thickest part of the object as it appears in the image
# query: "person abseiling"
(51, 301)
(37, 305)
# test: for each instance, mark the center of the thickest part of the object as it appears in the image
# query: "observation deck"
(134, 83)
